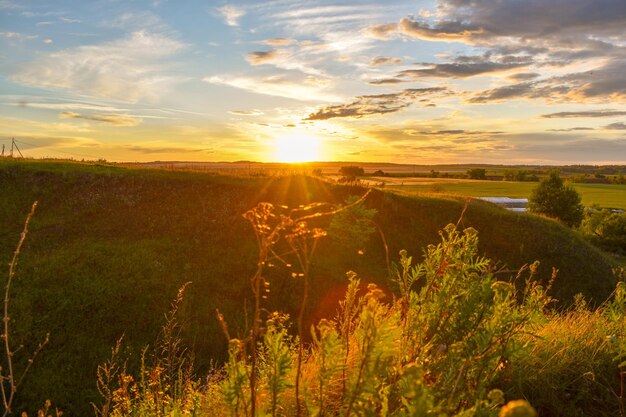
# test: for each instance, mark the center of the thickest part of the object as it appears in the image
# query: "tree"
(350, 173)
(555, 199)
(477, 173)
(605, 228)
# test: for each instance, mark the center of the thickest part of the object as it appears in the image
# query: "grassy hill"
(109, 247)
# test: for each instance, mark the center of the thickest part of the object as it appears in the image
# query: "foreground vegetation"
(454, 342)
(110, 247)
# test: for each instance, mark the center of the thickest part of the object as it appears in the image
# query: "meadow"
(604, 195)
(109, 247)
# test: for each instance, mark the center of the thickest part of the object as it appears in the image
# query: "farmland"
(604, 195)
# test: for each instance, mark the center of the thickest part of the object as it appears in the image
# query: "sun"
(297, 148)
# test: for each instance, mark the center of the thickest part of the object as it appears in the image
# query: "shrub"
(438, 349)
(606, 229)
(476, 173)
(555, 199)
(350, 173)
(351, 228)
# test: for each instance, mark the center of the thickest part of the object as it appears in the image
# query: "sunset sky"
(449, 81)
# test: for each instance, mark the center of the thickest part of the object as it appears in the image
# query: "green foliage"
(605, 228)
(351, 228)
(276, 359)
(519, 175)
(476, 173)
(110, 247)
(351, 171)
(555, 199)
(449, 352)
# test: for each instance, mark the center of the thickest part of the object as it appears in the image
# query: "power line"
(60, 152)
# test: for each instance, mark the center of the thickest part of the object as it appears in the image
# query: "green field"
(109, 247)
(604, 195)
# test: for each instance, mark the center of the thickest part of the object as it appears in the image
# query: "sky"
(423, 82)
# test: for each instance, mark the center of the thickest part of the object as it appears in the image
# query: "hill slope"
(109, 247)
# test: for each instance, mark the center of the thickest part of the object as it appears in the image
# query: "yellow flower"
(517, 408)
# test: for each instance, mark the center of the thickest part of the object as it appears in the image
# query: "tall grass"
(10, 378)
(454, 342)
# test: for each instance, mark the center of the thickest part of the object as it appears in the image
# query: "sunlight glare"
(297, 148)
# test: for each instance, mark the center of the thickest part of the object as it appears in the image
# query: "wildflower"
(517, 408)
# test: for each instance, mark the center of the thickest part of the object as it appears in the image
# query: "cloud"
(616, 126)
(134, 21)
(128, 69)
(515, 91)
(110, 119)
(523, 76)
(387, 81)
(588, 113)
(383, 32)
(16, 36)
(595, 86)
(284, 85)
(164, 149)
(480, 20)
(375, 104)
(381, 60)
(262, 57)
(231, 14)
(567, 34)
(22, 101)
(69, 20)
(572, 129)
(279, 41)
(246, 112)
(459, 70)
(444, 30)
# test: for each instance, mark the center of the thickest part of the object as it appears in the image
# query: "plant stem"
(7, 347)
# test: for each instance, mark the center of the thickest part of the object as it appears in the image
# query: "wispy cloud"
(246, 112)
(134, 21)
(279, 41)
(523, 76)
(262, 57)
(128, 69)
(572, 129)
(147, 149)
(375, 104)
(384, 31)
(231, 14)
(460, 70)
(111, 119)
(381, 60)
(587, 113)
(596, 86)
(284, 85)
(15, 36)
(616, 126)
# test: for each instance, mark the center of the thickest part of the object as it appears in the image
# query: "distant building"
(512, 204)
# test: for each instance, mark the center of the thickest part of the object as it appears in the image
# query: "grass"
(110, 246)
(455, 342)
(604, 195)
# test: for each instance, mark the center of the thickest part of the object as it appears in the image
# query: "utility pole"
(14, 145)
(3, 149)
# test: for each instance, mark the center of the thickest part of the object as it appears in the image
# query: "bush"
(350, 173)
(606, 229)
(351, 228)
(438, 349)
(477, 173)
(555, 199)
